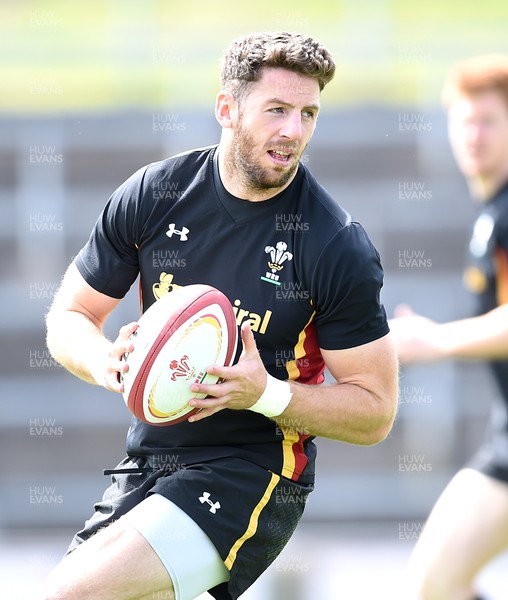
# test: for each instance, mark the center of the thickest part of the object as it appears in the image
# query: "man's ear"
(226, 109)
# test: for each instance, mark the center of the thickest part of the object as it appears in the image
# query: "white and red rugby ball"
(178, 338)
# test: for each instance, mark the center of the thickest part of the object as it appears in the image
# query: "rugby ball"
(178, 338)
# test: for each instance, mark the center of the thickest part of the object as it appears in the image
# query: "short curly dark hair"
(243, 60)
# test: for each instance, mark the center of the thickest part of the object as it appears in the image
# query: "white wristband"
(275, 399)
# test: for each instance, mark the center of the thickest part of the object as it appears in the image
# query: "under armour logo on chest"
(181, 232)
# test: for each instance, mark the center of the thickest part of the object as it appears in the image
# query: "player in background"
(468, 526)
(250, 449)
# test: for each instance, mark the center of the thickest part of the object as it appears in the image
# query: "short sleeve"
(109, 260)
(346, 289)
(501, 231)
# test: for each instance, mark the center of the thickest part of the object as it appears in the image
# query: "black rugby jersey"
(487, 277)
(295, 266)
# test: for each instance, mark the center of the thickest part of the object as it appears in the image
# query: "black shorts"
(248, 513)
(492, 457)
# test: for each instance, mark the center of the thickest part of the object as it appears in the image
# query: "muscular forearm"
(342, 411)
(359, 408)
(75, 335)
(77, 344)
(483, 337)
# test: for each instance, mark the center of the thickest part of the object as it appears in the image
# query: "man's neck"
(486, 187)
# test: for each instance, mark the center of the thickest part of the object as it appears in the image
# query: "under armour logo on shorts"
(214, 506)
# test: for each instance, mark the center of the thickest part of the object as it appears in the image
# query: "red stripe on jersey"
(501, 262)
(308, 367)
(140, 292)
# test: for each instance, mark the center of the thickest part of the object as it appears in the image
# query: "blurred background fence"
(92, 91)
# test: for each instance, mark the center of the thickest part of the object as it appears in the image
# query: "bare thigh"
(116, 563)
(467, 528)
